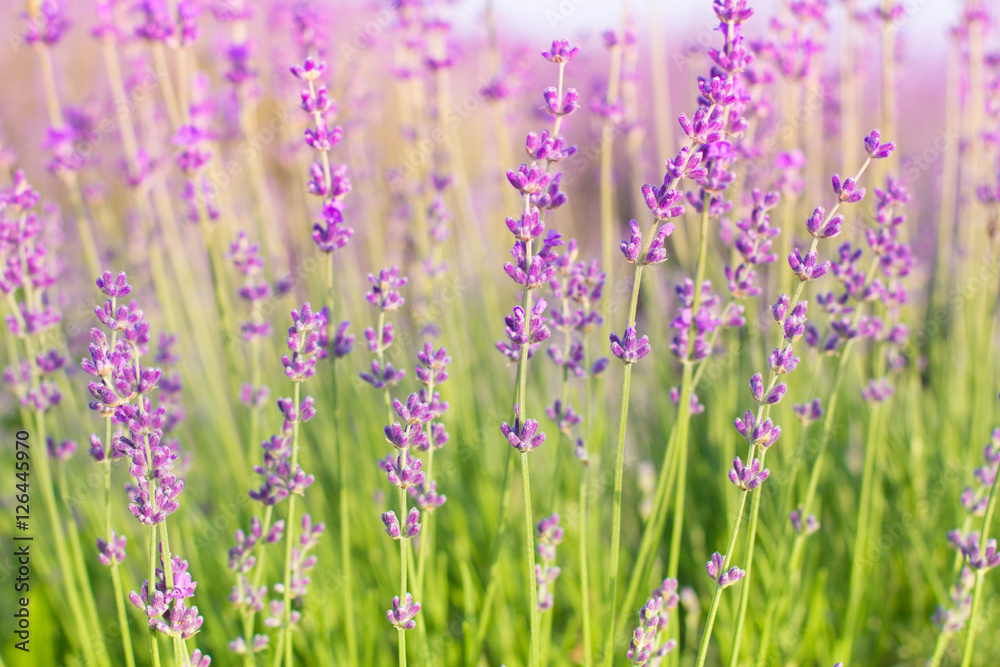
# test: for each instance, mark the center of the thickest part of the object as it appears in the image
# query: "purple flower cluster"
(331, 233)
(579, 286)
(121, 393)
(281, 475)
(753, 243)
(532, 267)
(245, 256)
(166, 608)
(645, 647)
(384, 295)
(27, 263)
(46, 23)
(415, 431)
(431, 371)
(549, 535)
(978, 552)
(890, 260)
(716, 568)
(708, 319)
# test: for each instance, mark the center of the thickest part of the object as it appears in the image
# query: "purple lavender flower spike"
(748, 477)
(523, 437)
(723, 578)
(663, 202)
(527, 332)
(384, 293)
(875, 148)
(426, 497)
(629, 349)
(402, 615)
(640, 649)
(782, 360)
(808, 267)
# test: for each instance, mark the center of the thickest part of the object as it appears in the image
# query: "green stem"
(529, 551)
(862, 533)
(289, 539)
(616, 517)
(154, 650)
(116, 580)
(584, 570)
(706, 635)
(402, 569)
(977, 592)
(250, 613)
(345, 530)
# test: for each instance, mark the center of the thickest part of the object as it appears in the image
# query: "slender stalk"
(522, 385)
(868, 480)
(498, 539)
(977, 592)
(115, 574)
(616, 516)
(45, 481)
(154, 649)
(169, 96)
(940, 646)
(585, 571)
(402, 570)
(250, 612)
(345, 528)
(289, 540)
(608, 133)
(798, 548)
(116, 580)
(529, 551)
(761, 414)
(706, 635)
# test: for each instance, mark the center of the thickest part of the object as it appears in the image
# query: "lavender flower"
(549, 534)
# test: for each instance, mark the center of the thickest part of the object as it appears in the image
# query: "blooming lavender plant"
(646, 646)
(404, 472)
(532, 269)
(282, 478)
(790, 315)
(246, 257)
(123, 394)
(27, 280)
(976, 554)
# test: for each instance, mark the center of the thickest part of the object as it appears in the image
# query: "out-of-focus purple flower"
(112, 551)
(808, 412)
(803, 524)
(45, 23)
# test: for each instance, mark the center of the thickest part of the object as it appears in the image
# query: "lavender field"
(481, 333)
